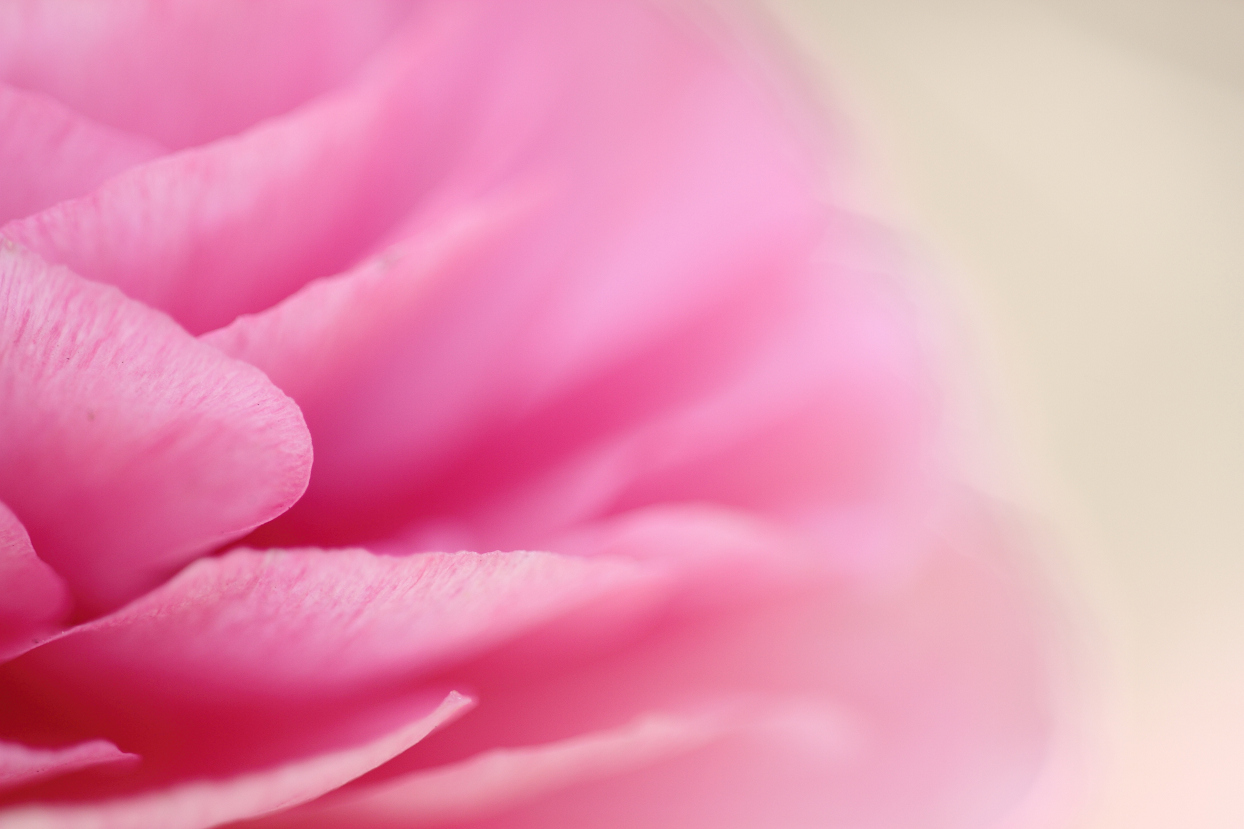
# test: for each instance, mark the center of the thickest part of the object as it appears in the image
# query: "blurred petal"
(21, 764)
(31, 594)
(660, 327)
(126, 446)
(500, 778)
(314, 343)
(49, 153)
(206, 803)
(936, 687)
(323, 183)
(185, 72)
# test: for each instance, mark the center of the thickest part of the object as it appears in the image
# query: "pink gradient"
(627, 436)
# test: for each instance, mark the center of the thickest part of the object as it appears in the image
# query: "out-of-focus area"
(1075, 170)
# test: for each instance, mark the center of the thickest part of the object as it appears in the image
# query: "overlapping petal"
(22, 764)
(552, 373)
(503, 777)
(935, 686)
(32, 596)
(266, 654)
(200, 804)
(184, 72)
(127, 447)
(49, 153)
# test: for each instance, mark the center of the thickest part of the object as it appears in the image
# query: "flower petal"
(126, 446)
(256, 654)
(49, 153)
(184, 72)
(292, 623)
(503, 777)
(944, 679)
(202, 804)
(22, 764)
(663, 278)
(31, 594)
(324, 183)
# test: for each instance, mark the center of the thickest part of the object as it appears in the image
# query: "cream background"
(1074, 169)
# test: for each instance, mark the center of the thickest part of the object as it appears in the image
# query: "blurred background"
(1074, 170)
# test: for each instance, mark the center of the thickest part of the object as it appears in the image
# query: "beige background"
(1074, 170)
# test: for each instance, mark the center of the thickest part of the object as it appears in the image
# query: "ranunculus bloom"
(628, 505)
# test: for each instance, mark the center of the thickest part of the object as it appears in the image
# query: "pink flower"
(561, 276)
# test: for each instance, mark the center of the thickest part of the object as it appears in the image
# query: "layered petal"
(660, 327)
(252, 654)
(324, 183)
(183, 72)
(126, 446)
(205, 803)
(22, 764)
(936, 687)
(49, 153)
(502, 777)
(32, 596)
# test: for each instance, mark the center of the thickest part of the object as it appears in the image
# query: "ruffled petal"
(206, 803)
(126, 446)
(49, 153)
(184, 72)
(32, 596)
(22, 764)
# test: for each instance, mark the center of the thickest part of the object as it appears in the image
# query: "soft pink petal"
(943, 679)
(297, 623)
(504, 777)
(186, 72)
(22, 764)
(32, 596)
(126, 446)
(253, 653)
(206, 803)
(323, 183)
(49, 153)
(313, 343)
(659, 327)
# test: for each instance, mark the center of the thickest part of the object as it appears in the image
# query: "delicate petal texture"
(202, 804)
(31, 594)
(185, 72)
(551, 275)
(292, 624)
(49, 153)
(933, 687)
(269, 655)
(127, 447)
(20, 764)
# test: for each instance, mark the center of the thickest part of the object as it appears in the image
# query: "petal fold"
(22, 764)
(126, 446)
(32, 595)
(324, 183)
(207, 803)
(183, 72)
(49, 153)
(938, 684)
